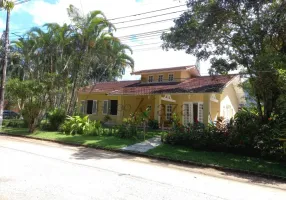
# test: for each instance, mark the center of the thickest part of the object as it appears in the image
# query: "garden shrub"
(94, 128)
(32, 114)
(153, 124)
(192, 135)
(242, 135)
(45, 125)
(55, 118)
(245, 128)
(83, 126)
(15, 123)
(129, 127)
(109, 131)
(75, 125)
(267, 141)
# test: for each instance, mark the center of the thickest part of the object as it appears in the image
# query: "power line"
(146, 44)
(146, 23)
(143, 33)
(143, 39)
(149, 17)
(146, 12)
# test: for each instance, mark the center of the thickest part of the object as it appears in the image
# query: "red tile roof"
(164, 70)
(200, 84)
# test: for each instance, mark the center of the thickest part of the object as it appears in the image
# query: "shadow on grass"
(16, 131)
(226, 160)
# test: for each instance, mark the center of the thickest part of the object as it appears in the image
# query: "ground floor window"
(168, 112)
(110, 107)
(192, 112)
(88, 107)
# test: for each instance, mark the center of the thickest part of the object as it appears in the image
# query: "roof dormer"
(173, 74)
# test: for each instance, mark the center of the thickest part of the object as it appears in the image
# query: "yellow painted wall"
(185, 75)
(100, 98)
(132, 104)
(129, 104)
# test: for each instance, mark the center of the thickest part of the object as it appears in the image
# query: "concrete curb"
(160, 158)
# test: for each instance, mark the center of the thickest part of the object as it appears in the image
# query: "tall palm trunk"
(3, 80)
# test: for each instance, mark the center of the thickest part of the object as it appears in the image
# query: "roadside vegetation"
(47, 68)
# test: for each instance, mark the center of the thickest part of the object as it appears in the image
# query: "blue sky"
(148, 56)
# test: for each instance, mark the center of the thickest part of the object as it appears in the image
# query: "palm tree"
(73, 54)
(8, 6)
(89, 36)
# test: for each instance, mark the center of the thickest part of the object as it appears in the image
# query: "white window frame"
(169, 77)
(94, 107)
(103, 111)
(190, 118)
(160, 75)
(150, 80)
(168, 111)
(83, 106)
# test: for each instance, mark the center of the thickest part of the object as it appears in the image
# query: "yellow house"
(180, 90)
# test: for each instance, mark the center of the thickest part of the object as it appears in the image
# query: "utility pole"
(8, 6)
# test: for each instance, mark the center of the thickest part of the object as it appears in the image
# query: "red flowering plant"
(176, 125)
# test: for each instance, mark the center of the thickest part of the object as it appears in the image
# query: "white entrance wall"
(229, 102)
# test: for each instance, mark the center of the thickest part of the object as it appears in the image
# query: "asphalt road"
(31, 169)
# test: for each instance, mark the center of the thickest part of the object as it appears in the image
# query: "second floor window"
(160, 78)
(171, 77)
(150, 79)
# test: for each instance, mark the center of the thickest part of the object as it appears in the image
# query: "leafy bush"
(243, 135)
(55, 118)
(75, 125)
(15, 123)
(267, 141)
(82, 125)
(129, 127)
(193, 135)
(32, 113)
(245, 128)
(94, 128)
(153, 124)
(45, 125)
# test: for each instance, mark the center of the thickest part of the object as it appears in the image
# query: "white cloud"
(44, 12)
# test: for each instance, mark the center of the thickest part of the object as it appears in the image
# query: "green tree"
(32, 97)
(247, 35)
(70, 56)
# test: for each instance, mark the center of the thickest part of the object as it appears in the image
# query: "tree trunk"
(144, 129)
(69, 110)
(3, 81)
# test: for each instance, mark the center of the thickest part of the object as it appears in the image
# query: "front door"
(192, 112)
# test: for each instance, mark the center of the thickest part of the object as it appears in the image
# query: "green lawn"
(91, 141)
(220, 159)
(169, 151)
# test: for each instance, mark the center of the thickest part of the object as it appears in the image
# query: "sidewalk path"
(144, 146)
